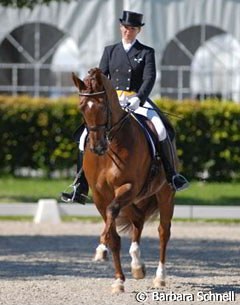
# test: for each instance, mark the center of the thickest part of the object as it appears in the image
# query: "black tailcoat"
(132, 71)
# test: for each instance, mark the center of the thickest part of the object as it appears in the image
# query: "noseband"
(107, 127)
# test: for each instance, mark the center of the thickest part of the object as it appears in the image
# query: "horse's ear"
(78, 82)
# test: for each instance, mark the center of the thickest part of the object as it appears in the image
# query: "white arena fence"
(88, 210)
(174, 81)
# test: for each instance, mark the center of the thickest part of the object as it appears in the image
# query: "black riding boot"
(80, 186)
(177, 181)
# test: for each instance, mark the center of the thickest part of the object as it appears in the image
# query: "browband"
(91, 94)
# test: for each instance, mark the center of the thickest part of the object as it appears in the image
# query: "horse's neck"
(117, 112)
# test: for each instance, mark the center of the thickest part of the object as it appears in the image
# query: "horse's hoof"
(118, 286)
(158, 283)
(101, 256)
(139, 273)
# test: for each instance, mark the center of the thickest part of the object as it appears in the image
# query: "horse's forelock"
(95, 72)
(97, 81)
(93, 81)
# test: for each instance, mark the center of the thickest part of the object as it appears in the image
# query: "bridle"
(107, 127)
(91, 94)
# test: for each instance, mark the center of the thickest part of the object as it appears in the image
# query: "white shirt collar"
(127, 46)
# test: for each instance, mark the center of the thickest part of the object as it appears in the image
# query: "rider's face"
(129, 33)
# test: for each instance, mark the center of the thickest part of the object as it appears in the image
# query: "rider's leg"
(166, 152)
(165, 120)
(164, 149)
(80, 184)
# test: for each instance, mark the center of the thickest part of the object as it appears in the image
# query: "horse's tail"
(147, 209)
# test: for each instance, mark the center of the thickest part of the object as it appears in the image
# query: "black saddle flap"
(144, 121)
(147, 131)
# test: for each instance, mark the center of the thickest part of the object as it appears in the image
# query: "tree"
(27, 3)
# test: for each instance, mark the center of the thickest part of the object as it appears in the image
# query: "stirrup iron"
(185, 183)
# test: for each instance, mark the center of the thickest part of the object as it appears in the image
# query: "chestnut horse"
(117, 164)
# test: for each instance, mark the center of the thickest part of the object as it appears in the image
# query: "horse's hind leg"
(101, 253)
(166, 207)
(137, 266)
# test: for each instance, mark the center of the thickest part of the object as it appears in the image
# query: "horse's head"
(95, 109)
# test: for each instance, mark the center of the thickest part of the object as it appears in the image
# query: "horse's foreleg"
(166, 212)
(112, 239)
(121, 199)
(110, 236)
(115, 246)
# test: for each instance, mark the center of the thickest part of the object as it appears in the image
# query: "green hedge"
(37, 133)
(208, 137)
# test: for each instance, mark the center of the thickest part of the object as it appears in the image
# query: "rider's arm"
(104, 62)
(149, 76)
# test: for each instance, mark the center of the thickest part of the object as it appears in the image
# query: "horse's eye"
(82, 104)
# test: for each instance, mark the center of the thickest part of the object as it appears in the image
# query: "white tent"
(176, 29)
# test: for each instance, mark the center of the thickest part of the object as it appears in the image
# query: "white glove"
(134, 103)
(123, 100)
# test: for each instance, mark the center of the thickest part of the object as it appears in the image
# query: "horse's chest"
(107, 171)
(114, 175)
(109, 178)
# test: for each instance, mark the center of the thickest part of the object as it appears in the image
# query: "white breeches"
(82, 140)
(148, 112)
(152, 115)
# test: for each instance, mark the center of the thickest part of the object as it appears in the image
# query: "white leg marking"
(118, 286)
(135, 254)
(159, 280)
(161, 271)
(100, 250)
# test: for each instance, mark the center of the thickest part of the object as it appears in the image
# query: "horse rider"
(131, 67)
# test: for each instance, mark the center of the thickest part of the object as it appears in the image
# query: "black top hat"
(131, 19)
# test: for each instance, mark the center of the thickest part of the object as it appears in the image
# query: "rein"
(121, 122)
(165, 112)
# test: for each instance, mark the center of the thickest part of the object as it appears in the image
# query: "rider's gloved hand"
(133, 103)
(123, 100)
